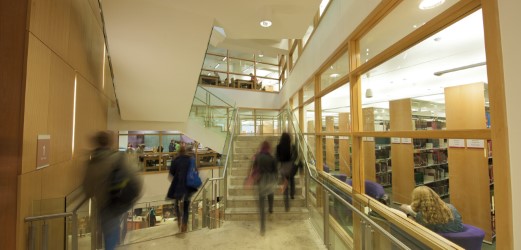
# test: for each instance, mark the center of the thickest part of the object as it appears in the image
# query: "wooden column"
(369, 145)
(12, 82)
(468, 167)
(402, 154)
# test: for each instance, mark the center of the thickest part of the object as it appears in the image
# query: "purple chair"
(342, 177)
(470, 239)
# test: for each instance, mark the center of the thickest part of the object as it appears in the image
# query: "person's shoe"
(184, 227)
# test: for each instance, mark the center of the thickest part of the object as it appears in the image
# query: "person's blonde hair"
(432, 208)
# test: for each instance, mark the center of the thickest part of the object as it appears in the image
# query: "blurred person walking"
(112, 181)
(178, 190)
(266, 178)
(284, 155)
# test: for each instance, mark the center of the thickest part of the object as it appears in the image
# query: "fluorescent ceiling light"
(334, 75)
(430, 4)
(217, 66)
(439, 73)
(265, 23)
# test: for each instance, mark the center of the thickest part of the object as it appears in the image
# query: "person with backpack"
(179, 190)
(114, 185)
(266, 178)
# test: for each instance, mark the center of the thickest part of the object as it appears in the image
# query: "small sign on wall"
(395, 140)
(473, 143)
(456, 143)
(406, 140)
(43, 150)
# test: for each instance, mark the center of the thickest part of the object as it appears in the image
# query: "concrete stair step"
(247, 201)
(295, 213)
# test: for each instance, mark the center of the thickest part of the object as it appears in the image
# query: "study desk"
(212, 80)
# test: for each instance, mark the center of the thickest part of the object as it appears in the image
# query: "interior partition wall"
(408, 70)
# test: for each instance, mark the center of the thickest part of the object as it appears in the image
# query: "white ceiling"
(157, 47)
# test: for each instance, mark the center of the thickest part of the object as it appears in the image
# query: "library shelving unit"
(336, 149)
(469, 176)
(383, 162)
(431, 165)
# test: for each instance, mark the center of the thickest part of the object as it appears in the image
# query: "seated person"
(428, 209)
(254, 80)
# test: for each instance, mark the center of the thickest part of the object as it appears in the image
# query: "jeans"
(111, 231)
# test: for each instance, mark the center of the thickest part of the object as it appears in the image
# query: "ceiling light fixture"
(265, 23)
(217, 66)
(334, 75)
(368, 93)
(430, 4)
(439, 73)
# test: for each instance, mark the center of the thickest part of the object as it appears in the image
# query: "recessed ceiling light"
(430, 4)
(265, 23)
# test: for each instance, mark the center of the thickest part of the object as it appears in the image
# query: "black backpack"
(124, 188)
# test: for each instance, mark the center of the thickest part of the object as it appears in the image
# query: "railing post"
(45, 235)
(74, 230)
(326, 219)
(205, 210)
(195, 206)
(31, 236)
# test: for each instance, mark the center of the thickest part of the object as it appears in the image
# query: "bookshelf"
(470, 178)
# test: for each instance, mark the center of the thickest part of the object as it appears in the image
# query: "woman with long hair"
(432, 212)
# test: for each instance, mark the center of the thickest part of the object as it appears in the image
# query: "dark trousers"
(289, 190)
(262, 208)
(182, 216)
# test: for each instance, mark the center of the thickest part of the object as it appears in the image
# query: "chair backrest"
(471, 238)
(373, 189)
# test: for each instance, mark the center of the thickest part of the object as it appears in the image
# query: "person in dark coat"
(265, 166)
(178, 189)
(284, 156)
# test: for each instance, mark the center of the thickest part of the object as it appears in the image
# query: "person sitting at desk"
(428, 209)
(254, 80)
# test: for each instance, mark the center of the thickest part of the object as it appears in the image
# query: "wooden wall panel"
(52, 186)
(468, 168)
(343, 144)
(368, 116)
(36, 100)
(467, 106)
(30, 190)
(13, 50)
(469, 187)
(401, 115)
(60, 114)
(330, 143)
(49, 21)
(85, 123)
(85, 43)
(402, 154)
(369, 160)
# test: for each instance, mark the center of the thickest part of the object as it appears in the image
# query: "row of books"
(420, 124)
(430, 158)
(426, 175)
(384, 179)
(382, 167)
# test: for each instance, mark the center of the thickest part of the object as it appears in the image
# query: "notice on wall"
(456, 143)
(368, 139)
(43, 151)
(475, 143)
(343, 137)
(395, 140)
(406, 140)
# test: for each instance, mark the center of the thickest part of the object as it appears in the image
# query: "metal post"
(205, 215)
(32, 236)
(45, 235)
(362, 230)
(74, 230)
(326, 219)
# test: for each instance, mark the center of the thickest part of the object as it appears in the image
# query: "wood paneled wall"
(12, 63)
(65, 63)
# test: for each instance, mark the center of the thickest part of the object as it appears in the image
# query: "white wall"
(511, 39)
(340, 20)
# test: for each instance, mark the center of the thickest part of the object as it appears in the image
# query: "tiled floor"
(297, 234)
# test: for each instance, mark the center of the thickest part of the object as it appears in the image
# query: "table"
(212, 80)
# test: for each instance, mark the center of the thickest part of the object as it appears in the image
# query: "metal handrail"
(342, 200)
(72, 214)
(233, 125)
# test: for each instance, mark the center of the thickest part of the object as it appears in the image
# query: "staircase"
(242, 204)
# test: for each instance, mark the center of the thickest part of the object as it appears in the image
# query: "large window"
(335, 71)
